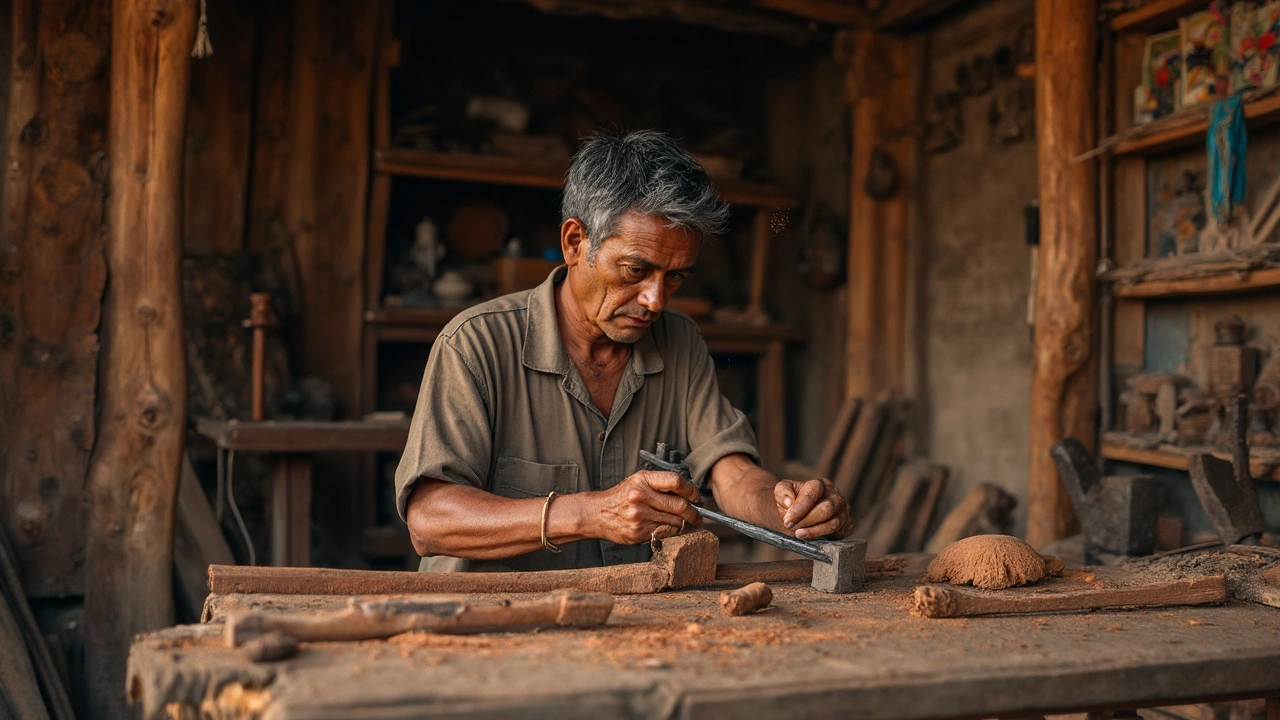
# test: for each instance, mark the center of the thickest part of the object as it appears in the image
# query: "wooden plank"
(52, 277)
(19, 689)
(919, 529)
(888, 533)
(1156, 15)
(942, 601)
(1121, 452)
(197, 540)
(861, 445)
(34, 646)
(297, 436)
(833, 12)
(219, 134)
(771, 428)
(331, 88)
(880, 83)
(837, 438)
(887, 452)
(498, 169)
(1064, 374)
(136, 463)
(291, 511)
(1266, 279)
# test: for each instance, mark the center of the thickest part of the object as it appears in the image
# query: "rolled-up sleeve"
(450, 437)
(715, 427)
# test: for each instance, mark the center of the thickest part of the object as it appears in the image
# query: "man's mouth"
(635, 321)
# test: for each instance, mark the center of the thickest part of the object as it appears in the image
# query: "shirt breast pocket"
(516, 478)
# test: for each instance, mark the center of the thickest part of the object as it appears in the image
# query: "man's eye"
(635, 272)
(675, 277)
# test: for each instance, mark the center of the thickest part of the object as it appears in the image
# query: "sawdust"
(993, 562)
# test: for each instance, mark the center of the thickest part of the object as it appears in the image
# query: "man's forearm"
(748, 495)
(449, 519)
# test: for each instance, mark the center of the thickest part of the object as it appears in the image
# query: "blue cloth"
(1227, 145)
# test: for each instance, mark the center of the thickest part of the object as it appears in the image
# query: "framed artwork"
(1246, 60)
(1159, 95)
(1206, 66)
(1266, 29)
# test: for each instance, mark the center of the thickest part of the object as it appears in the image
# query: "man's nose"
(653, 296)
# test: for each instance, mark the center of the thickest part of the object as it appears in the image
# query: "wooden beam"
(1064, 374)
(880, 87)
(905, 14)
(832, 12)
(52, 276)
(219, 134)
(137, 461)
(709, 13)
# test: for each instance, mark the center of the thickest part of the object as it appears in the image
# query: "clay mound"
(990, 561)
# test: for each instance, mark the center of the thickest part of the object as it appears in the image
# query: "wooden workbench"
(674, 655)
(291, 445)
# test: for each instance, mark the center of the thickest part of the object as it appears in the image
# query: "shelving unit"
(1196, 285)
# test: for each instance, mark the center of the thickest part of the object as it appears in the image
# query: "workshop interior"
(1004, 274)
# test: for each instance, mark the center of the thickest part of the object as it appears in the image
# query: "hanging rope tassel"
(1227, 144)
(203, 48)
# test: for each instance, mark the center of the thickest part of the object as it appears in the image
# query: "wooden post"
(880, 88)
(137, 461)
(52, 276)
(1064, 374)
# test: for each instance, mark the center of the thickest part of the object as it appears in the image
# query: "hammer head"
(1118, 514)
(847, 570)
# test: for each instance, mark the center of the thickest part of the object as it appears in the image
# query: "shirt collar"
(545, 352)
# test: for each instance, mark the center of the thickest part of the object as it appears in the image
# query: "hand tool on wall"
(1118, 513)
(370, 620)
(1226, 489)
(260, 318)
(938, 601)
(839, 566)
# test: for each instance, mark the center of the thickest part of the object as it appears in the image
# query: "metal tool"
(1226, 488)
(1118, 513)
(672, 461)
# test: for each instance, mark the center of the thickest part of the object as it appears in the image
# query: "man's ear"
(573, 241)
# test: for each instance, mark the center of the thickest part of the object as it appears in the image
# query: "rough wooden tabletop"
(674, 655)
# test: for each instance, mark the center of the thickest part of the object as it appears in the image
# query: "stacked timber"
(30, 686)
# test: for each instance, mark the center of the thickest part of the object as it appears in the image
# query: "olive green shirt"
(503, 409)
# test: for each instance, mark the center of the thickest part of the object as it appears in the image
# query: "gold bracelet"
(545, 507)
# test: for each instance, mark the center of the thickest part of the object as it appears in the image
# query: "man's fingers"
(808, 496)
(669, 482)
(821, 529)
(784, 494)
(676, 505)
(822, 511)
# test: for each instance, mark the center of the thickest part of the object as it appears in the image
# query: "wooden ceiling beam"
(735, 18)
(898, 15)
(831, 12)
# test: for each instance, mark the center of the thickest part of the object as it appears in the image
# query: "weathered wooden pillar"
(142, 398)
(52, 276)
(880, 87)
(1064, 374)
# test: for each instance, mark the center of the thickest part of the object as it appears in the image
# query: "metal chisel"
(670, 460)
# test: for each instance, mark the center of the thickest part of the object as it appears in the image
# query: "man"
(524, 448)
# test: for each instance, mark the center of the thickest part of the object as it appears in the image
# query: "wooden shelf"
(1188, 126)
(716, 334)
(1243, 271)
(1157, 15)
(499, 170)
(1223, 284)
(1176, 458)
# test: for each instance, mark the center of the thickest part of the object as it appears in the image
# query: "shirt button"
(600, 436)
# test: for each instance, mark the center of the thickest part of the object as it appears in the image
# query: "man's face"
(625, 286)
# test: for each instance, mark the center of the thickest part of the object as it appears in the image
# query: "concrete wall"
(974, 344)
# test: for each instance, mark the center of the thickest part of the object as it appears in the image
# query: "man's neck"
(584, 341)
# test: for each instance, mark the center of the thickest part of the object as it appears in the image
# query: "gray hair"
(646, 172)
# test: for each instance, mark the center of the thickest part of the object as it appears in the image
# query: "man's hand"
(812, 508)
(647, 505)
